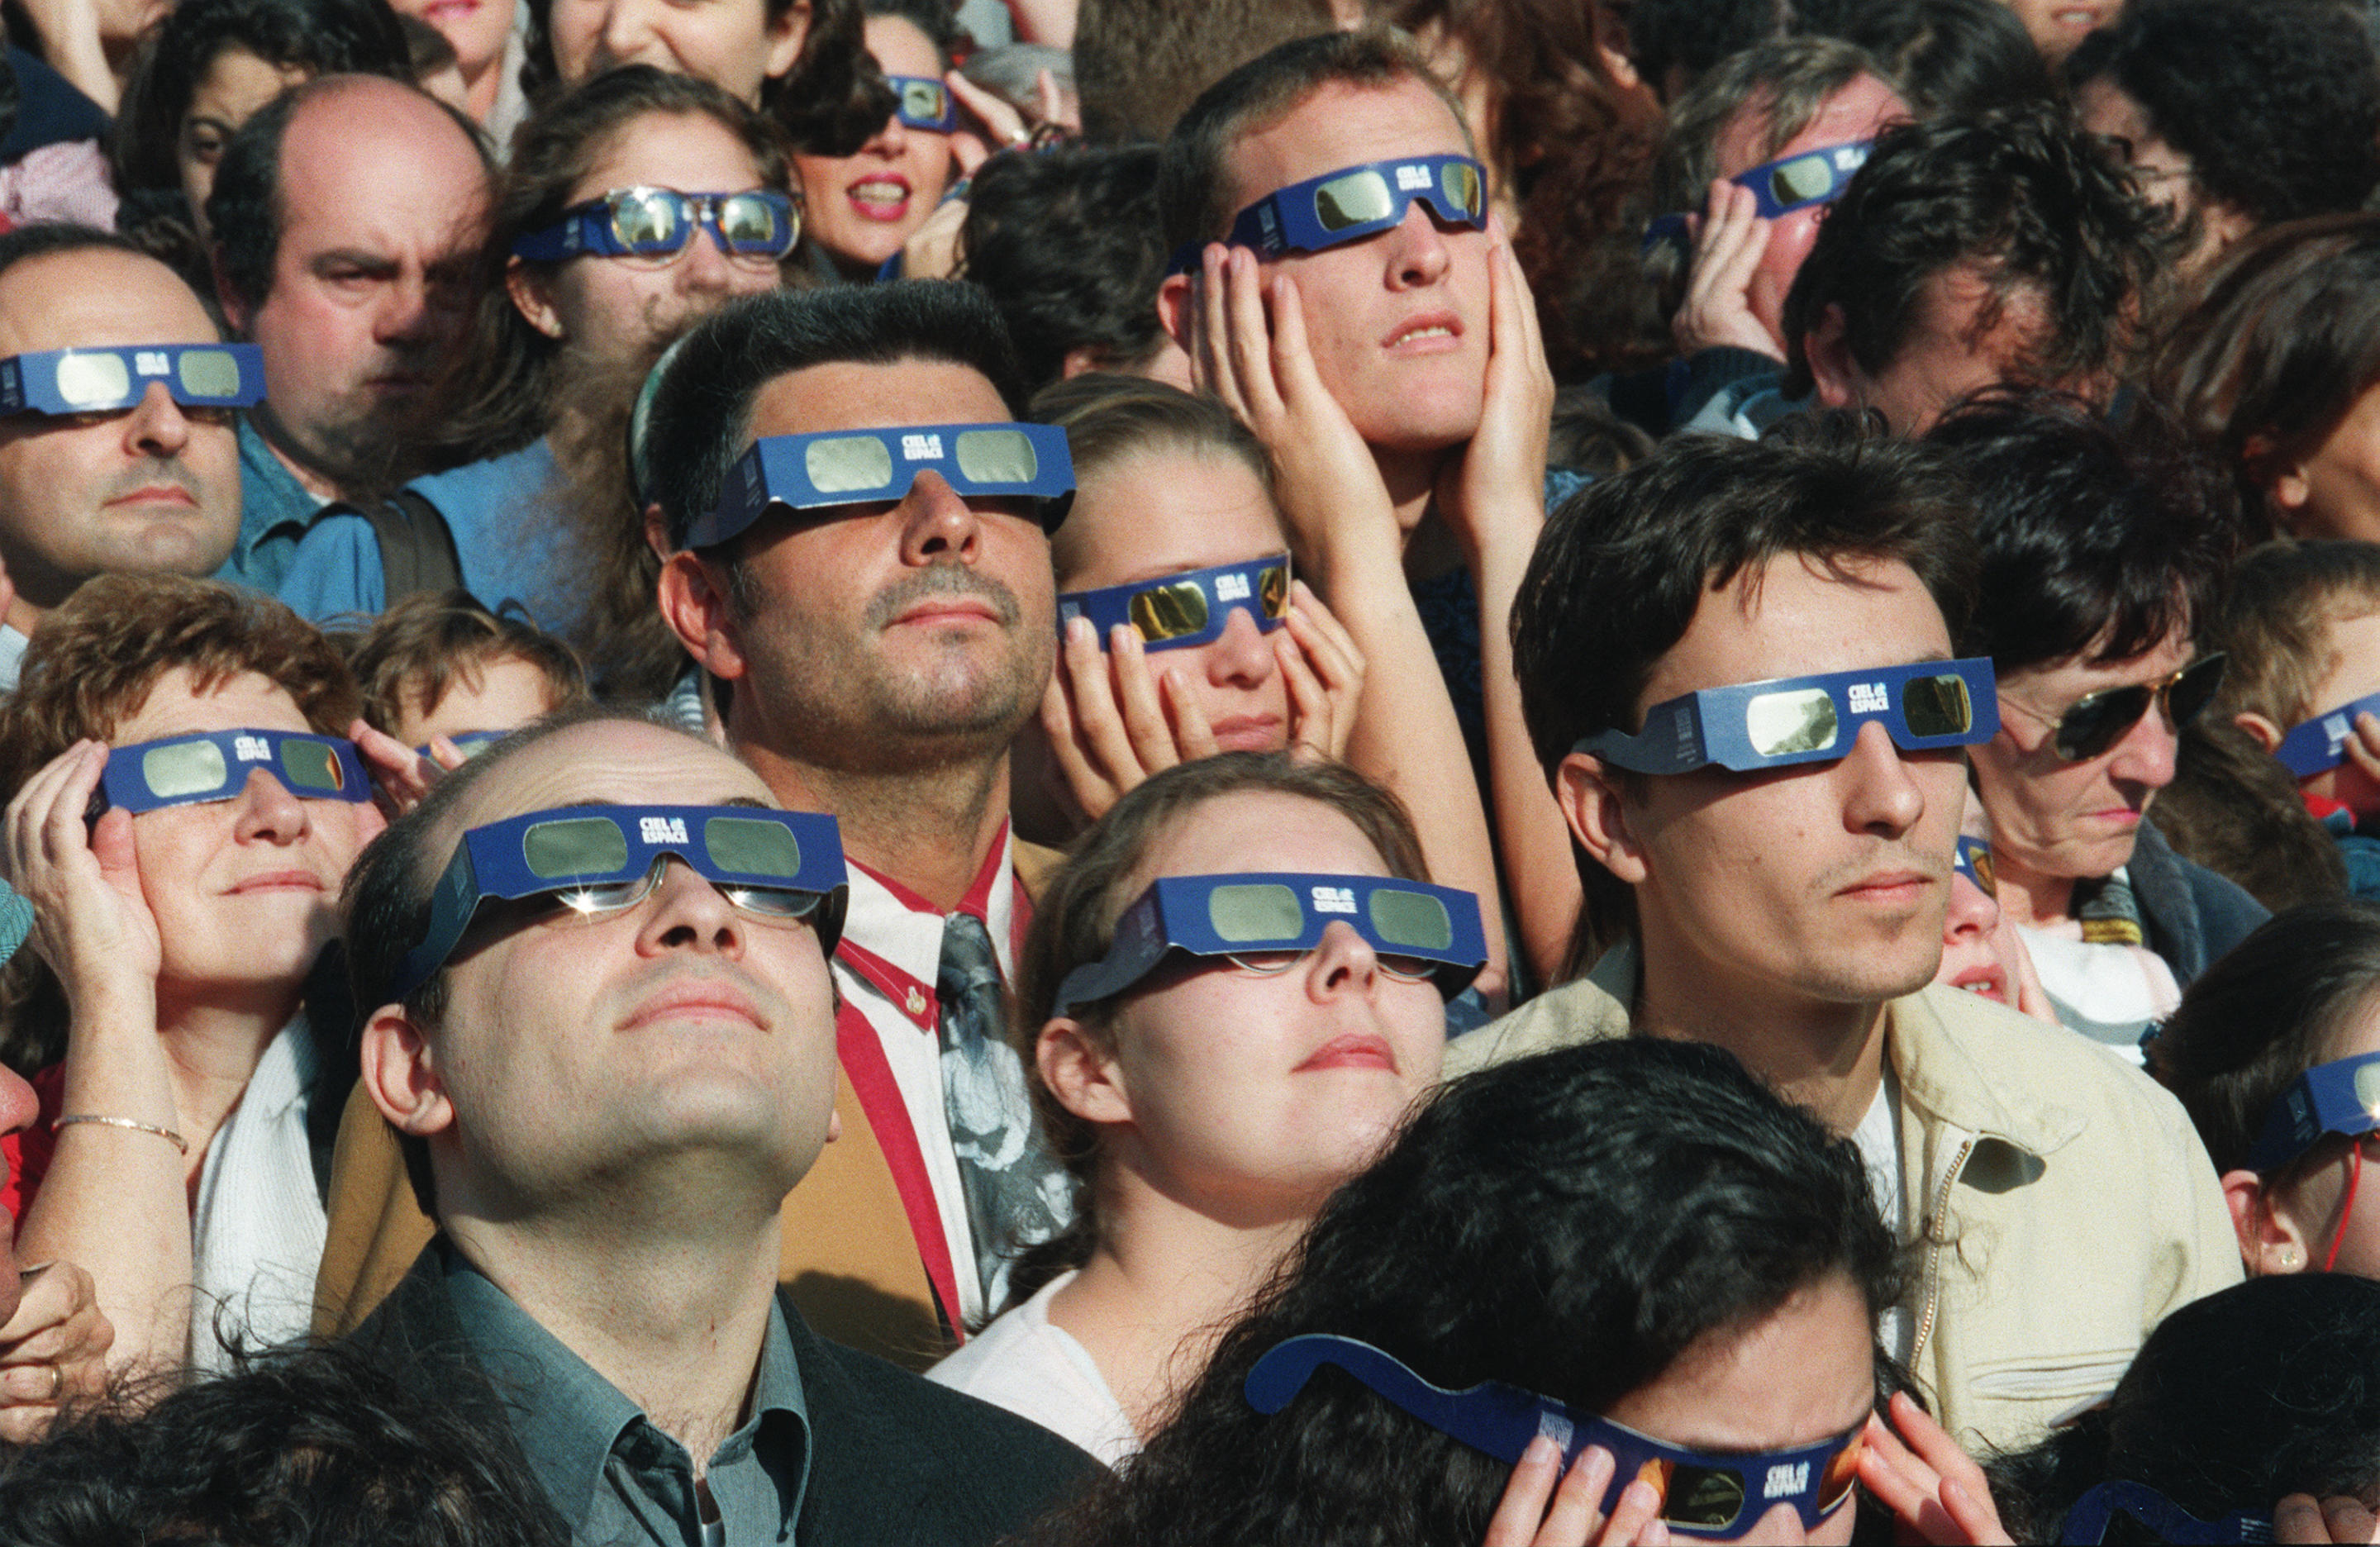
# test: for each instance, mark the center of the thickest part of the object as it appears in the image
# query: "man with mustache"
(1736, 661)
(348, 214)
(877, 658)
(141, 482)
(605, 1092)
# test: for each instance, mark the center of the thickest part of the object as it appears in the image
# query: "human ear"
(2262, 731)
(532, 296)
(1080, 1073)
(694, 603)
(400, 1074)
(1833, 373)
(2271, 1240)
(785, 36)
(1174, 311)
(1594, 806)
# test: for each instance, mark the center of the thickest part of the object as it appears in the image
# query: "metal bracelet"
(167, 1134)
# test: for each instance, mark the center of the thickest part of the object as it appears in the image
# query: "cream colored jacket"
(2063, 1203)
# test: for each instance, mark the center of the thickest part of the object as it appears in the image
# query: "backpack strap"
(417, 547)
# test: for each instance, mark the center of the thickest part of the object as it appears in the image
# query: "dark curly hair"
(2276, 104)
(2269, 1388)
(1577, 146)
(2023, 200)
(1639, 1196)
(2095, 544)
(310, 1447)
(1948, 56)
(1066, 245)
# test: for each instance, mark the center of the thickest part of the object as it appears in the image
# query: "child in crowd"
(2301, 631)
(444, 665)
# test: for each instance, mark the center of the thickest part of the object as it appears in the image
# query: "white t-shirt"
(1038, 1371)
(1878, 1137)
(257, 1234)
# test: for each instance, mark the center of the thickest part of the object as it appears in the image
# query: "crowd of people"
(1527, 772)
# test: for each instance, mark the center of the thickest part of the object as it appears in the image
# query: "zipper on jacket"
(1934, 1243)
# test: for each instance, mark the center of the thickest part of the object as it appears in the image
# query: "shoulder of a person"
(926, 1440)
(1580, 1011)
(2019, 1058)
(463, 489)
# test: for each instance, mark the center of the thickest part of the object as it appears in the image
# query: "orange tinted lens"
(1842, 1474)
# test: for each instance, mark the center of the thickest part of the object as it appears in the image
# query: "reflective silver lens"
(1255, 910)
(94, 380)
(2367, 1087)
(924, 99)
(308, 766)
(184, 768)
(1415, 920)
(647, 219)
(1802, 180)
(1459, 182)
(848, 465)
(751, 224)
(998, 457)
(575, 846)
(752, 845)
(1357, 198)
(1799, 720)
(209, 373)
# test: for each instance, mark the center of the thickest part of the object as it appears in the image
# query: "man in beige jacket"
(1769, 873)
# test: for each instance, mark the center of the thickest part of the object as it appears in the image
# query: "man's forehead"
(1800, 615)
(91, 297)
(1854, 111)
(609, 762)
(378, 163)
(848, 395)
(1339, 124)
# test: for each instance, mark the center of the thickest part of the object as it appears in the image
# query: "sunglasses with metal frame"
(2341, 1097)
(1267, 921)
(920, 102)
(778, 867)
(1781, 186)
(1924, 706)
(2104, 1506)
(1192, 607)
(108, 379)
(1973, 860)
(2098, 721)
(1703, 1495)
(660, 222)
(1352, 203)
(852, 467)
(215, 765)
(2320, 744)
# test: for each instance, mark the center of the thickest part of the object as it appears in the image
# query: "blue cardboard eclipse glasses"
(920, 102)
(1924, 705)
(1974, 860)
(2166, 1521)
(1702, 1495)
(850, 467)
(109, 380)
(2321, 742)
(1352, 203)
(1193, 607)
(660, 222)
(780, 867)
(2342, 1097)
(1784, 184)
(1418, 929)
(215, 765)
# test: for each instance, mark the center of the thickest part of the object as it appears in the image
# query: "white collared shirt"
(907, 937)
(257, 1234)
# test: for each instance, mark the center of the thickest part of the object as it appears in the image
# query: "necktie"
(1016, 1193)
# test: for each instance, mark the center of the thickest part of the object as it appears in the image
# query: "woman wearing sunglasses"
(865, 206)
(1207, 1090)
(1653, 1257)
(1185, 633)
(631, 208)
(182, 813)
(2100, 561)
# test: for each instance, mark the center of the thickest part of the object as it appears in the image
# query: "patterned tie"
(1017, 1194)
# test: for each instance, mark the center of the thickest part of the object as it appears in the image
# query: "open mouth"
(880, 197)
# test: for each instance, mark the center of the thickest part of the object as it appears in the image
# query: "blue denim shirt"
(274, 511)
(607, 1467)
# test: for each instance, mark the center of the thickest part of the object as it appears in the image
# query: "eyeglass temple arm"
(1491, 1416)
